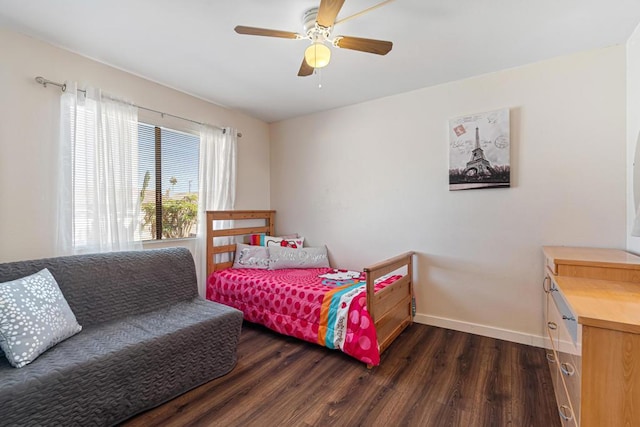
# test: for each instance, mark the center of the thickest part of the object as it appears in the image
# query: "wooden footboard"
(390, 307)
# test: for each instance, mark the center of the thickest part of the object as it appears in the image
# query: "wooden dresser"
(592, 319)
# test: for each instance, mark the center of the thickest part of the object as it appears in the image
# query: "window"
(168, 179)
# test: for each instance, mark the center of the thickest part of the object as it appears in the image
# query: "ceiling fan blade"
(379, 47)
(253, 31)
(305, 69)
(328, 11)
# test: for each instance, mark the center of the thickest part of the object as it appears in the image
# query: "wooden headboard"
(212, 250)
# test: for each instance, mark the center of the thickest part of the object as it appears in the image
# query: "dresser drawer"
(565, 316)
(560, 314)
(561, 338)
(565, 410)
(570, 371)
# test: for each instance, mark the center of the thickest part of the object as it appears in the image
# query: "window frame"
(174, 125)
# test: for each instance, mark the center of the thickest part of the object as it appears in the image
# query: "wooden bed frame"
(390, 308)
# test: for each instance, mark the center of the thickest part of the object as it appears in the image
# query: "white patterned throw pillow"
(34, 316)
(280, 258)
(248, 256)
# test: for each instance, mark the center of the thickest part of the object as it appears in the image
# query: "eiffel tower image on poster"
(475, 165)
(478, 166)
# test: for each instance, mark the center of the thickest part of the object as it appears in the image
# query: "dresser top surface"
(603, 303)
(596, 257)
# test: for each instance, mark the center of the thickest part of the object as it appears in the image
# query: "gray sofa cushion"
(108, 373)
(104, 287)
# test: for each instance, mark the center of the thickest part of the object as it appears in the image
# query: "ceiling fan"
(318, 24)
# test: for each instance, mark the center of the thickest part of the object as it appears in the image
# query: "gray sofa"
(146, 338)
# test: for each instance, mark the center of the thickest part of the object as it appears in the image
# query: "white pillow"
(248, 256)
(295, 243)
(292, 240)
(280, 257)
(34, 316)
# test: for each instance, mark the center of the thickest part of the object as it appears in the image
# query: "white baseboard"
(493, 332)
(484, 330)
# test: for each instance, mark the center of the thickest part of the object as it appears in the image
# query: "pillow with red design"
(296, 243)
(284, 241)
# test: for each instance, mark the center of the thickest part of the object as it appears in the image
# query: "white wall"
(370, 181)
(29, 126)
(633, 133)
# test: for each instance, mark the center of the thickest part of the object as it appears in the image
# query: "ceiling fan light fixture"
(318, 23)
(317, 55)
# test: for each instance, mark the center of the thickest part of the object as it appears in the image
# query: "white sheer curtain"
(98, 204)
(216, 187)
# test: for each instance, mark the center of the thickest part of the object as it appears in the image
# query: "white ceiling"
(190, 45)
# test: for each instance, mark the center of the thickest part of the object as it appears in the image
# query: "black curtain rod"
(44, 82)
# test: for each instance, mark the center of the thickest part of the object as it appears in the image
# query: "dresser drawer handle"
(571, 318)
(567, 369)
(552, 325)
(564, 410)
(551, 358)
(547, 280)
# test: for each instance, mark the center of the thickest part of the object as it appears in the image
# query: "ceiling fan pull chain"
(362, 12)
(319, 72)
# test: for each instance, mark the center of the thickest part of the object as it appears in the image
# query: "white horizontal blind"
(84, 123)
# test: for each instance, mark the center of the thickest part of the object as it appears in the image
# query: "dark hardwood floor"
(428, 377)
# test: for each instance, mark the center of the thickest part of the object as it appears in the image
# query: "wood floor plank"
(429, 377)
(434, 363)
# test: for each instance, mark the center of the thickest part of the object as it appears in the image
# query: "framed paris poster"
(479, 151)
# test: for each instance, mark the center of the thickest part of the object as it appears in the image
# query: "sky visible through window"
(180, 153)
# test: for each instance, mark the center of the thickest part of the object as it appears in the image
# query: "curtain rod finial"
(44, 82)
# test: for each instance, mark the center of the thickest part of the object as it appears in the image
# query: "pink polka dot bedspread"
(314, 304)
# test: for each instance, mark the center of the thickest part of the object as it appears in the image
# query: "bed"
(360, 313)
